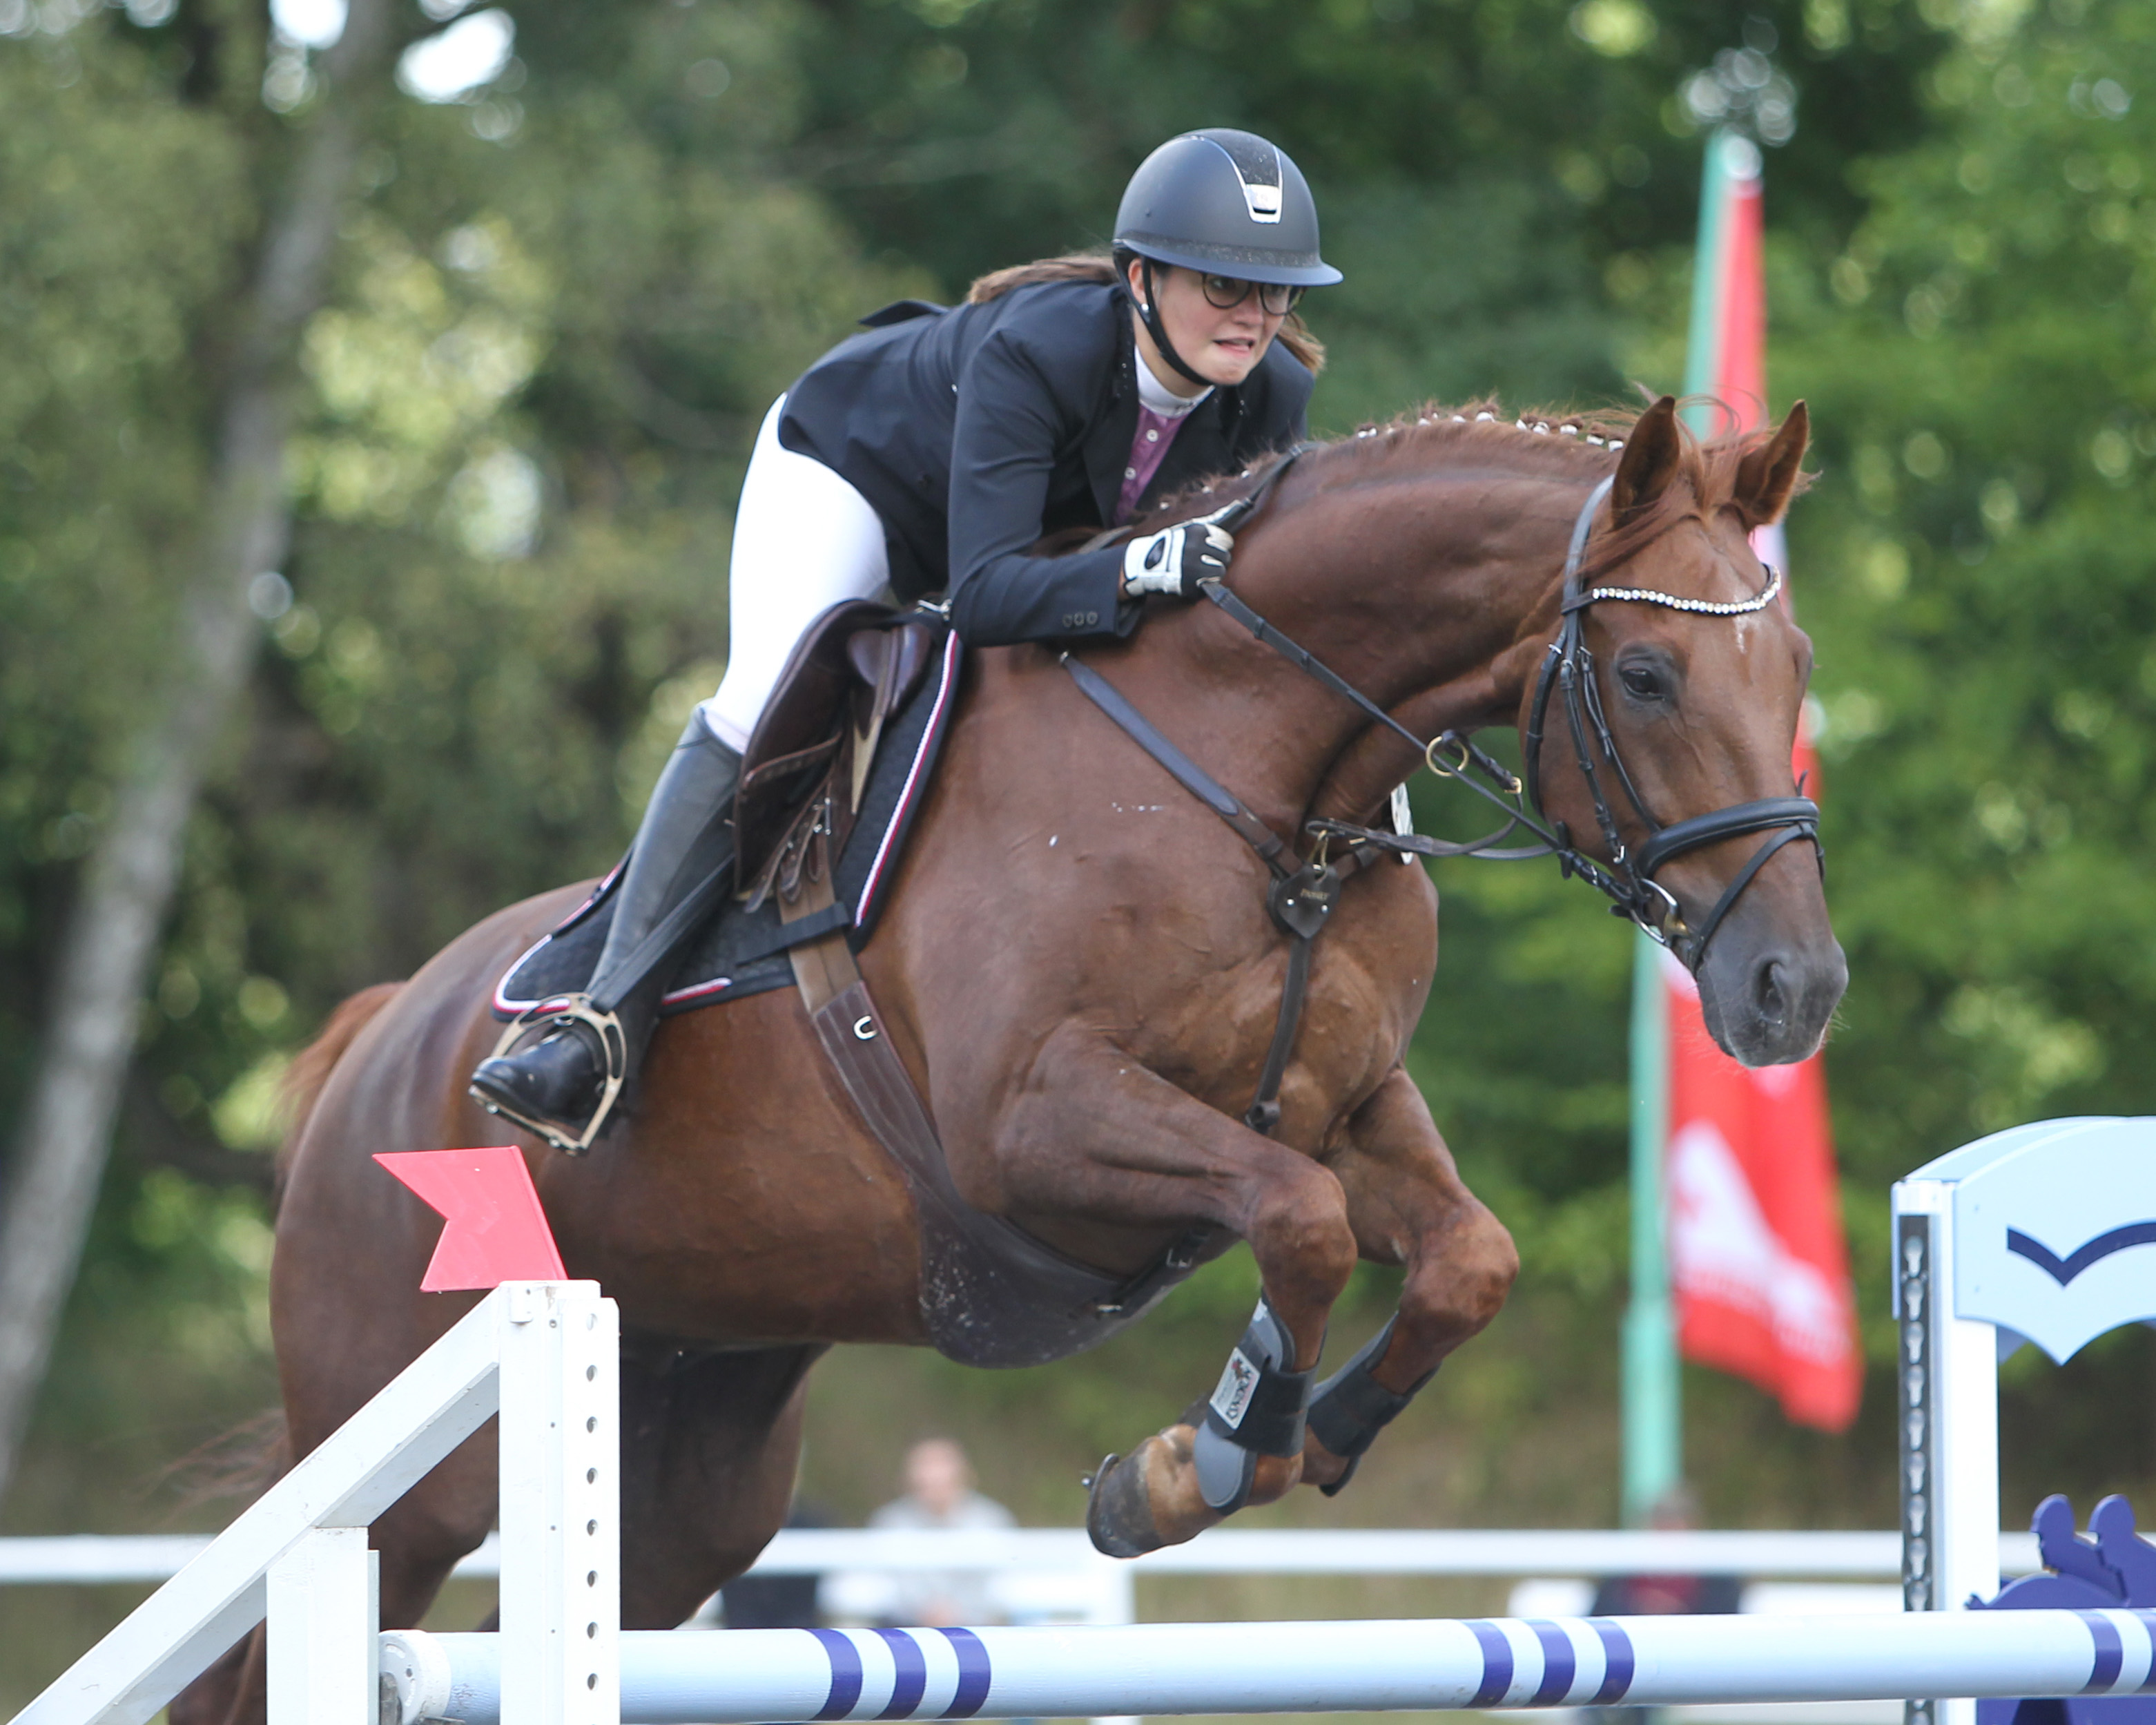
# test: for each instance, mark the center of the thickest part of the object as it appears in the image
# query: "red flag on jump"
(1759, 1265)
(493, 1230)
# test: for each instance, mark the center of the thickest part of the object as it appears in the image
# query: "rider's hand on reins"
(1175, 559)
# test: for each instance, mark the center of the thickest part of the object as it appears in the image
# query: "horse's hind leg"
(230, 1692)
(709, 1443)
(1407, 1205)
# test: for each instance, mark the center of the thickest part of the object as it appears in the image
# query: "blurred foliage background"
(566, 294)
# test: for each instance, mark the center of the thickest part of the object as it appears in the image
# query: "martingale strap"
(1300, 901)
(1269, 845)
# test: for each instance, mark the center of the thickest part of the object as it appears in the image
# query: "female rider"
(936, 448)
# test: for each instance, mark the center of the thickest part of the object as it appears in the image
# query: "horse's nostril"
(1769, 998)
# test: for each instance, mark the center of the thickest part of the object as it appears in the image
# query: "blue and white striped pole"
(713, 1676)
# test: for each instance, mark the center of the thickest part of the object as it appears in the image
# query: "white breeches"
(803, 540)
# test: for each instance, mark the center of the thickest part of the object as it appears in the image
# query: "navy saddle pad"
(743, 952)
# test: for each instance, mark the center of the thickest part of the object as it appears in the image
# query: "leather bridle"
(1568, 668)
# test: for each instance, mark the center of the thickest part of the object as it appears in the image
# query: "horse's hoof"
(1118, 1518)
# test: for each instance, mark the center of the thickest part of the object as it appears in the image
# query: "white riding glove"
(1175, 559)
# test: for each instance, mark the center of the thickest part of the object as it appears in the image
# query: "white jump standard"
(2043, 1233)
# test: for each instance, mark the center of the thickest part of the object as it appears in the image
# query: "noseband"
(1568, 668)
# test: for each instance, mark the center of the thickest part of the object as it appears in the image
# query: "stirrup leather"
(559, 1014)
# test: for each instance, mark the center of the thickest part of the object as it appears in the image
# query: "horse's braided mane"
(1557, 444)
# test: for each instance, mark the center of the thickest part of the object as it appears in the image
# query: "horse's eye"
(1641, 682)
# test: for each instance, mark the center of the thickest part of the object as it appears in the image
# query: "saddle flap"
(849, 671)
(890, 663)
(783, 759)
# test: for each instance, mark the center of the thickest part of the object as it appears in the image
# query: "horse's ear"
(1766, 476)
(1650, 460)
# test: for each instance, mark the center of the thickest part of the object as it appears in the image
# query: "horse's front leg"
(1407, 1205)
(1095, 1135)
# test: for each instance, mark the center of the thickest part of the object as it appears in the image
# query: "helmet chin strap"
(1149, 311)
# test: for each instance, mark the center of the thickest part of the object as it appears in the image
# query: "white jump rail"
(543, 1355)
(2031, 1234)
(789, 1675)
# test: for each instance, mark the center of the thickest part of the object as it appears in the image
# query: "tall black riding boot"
(564, 1085)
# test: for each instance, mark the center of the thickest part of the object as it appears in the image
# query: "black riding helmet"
(1225, 203)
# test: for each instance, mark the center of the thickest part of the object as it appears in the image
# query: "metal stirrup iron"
(1257, 1409)
(562, 1014)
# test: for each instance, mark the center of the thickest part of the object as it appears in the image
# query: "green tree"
(553, 324)
(232, 542)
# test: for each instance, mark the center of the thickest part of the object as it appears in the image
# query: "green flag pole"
(1652, 1388)
(1654, 1404)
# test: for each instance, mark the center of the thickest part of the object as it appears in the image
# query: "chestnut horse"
(1080, 972)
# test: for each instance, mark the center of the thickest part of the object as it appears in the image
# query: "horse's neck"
(1436, 614)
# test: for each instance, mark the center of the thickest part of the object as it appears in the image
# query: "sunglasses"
(1224, 293)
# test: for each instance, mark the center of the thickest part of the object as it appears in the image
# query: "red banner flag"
(1759, 1265)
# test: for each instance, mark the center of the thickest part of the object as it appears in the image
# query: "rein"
(1627, 880)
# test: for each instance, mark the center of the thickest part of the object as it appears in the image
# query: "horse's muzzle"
(1767, 1002)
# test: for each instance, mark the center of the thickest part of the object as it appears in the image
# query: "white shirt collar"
(1159, 397)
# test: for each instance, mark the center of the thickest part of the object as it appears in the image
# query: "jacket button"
(1092, 618)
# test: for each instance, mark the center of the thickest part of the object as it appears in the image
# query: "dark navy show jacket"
(974, 432)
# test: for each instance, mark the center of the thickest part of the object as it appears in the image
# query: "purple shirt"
(1155, 432)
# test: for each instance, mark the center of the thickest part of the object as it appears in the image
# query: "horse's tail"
(311, 1066)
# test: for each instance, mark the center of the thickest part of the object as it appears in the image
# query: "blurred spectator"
(1676, 1511)
(940, 1494)
(778, 1602)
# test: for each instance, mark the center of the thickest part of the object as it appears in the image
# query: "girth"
(992, 1295)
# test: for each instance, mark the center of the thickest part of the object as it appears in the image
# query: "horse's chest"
(1370, 972)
